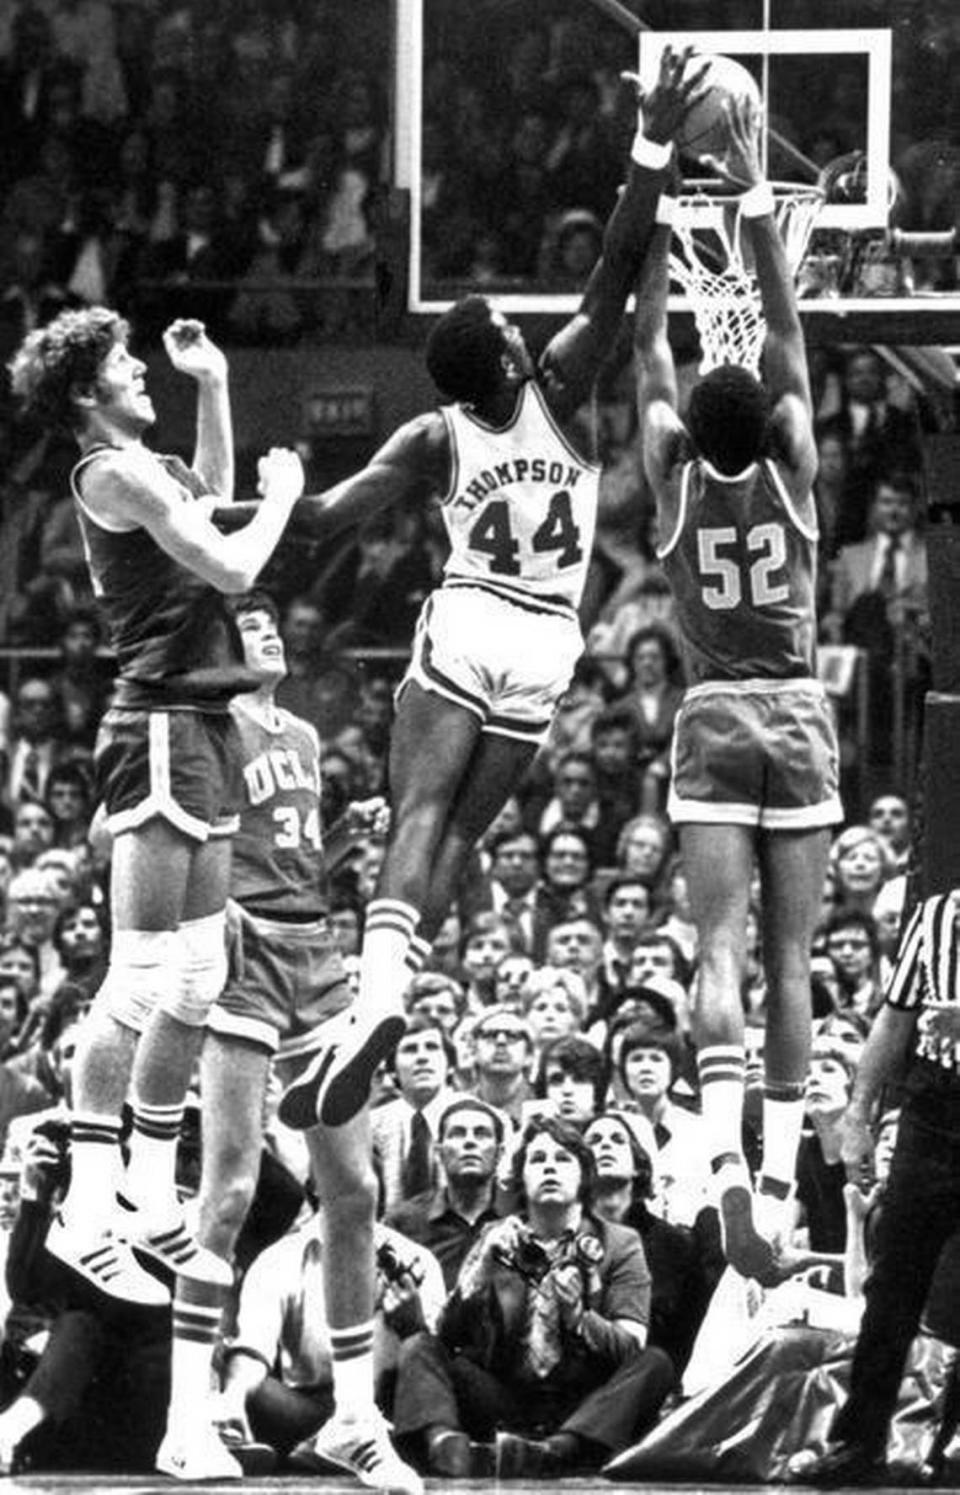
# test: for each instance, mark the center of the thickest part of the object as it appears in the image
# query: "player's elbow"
(234, 580)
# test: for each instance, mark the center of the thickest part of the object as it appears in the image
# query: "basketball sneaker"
(361, 1446)
(107, 1261)
(335, 1086)
(747, 1251)
(172, 1245)
(196, 1453)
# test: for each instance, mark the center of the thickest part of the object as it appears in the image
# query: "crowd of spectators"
(158, 149)
(560, 987)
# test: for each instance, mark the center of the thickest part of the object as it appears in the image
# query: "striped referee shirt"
(928, 970)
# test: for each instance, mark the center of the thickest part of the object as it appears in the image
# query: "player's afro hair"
(729, 418)
(55, 361)
(464, 351)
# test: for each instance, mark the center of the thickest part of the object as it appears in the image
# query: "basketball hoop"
(711, 262)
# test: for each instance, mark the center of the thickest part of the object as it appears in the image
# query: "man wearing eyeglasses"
(503, 1054)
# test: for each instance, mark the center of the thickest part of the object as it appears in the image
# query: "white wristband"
(653, 154)
(666, 210)
(758, 202)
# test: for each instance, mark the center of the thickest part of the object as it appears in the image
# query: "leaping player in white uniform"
(497, 642)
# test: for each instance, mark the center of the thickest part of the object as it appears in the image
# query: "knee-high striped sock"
(352, 1351)
(387, 933)
(721, 1069)
(151, 1172)
(197, 1313)
(95, 1168)
(418, 954)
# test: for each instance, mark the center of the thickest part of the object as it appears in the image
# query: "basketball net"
(711, 263)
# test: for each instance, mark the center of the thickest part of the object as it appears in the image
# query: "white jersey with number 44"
(522, 505)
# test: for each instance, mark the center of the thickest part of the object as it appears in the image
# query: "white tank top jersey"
(522, 505)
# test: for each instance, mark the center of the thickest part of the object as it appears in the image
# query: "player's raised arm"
(191, 352)
(656, 374)
(128, 487)
(784, 361)
(573, 358)
(413, 462)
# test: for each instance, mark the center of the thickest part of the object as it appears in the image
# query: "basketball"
(705, 131)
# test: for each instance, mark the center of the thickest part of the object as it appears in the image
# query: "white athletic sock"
(151, 1171)
(384, 973)
(782, 1123)
(90, 1205)
(197, 1311)
(721, 1069)
(352, 1351)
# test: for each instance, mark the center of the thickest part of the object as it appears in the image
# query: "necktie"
(416, 1176)
(29, 792)
(887, 584)
(513, 912)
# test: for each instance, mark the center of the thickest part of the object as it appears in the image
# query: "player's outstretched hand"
(191, 351)
(280, 476)
(366, 817)
(665, 106)
(741, 160)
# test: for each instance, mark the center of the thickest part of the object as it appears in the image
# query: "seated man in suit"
(542, 1344)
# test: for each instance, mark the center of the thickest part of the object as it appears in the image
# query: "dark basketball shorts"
(284, 981)
(183, 766)
(756, 752)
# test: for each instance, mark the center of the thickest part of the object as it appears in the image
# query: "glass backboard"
(488, 91)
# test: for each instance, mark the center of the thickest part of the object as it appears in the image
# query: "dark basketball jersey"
(176, 643)
(278, 868)
(740, 556)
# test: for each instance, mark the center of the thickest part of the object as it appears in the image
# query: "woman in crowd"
(554, 1002)
(679, 1283)
(571, 1080)
(862, 863)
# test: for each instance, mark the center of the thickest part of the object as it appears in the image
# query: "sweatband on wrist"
(653, 154)
(758, 202)
(666, 210)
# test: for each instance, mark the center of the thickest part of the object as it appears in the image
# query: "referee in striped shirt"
(915, 1038)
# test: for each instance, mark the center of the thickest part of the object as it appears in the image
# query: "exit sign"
(340, 411)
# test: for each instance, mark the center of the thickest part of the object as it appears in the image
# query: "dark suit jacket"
(478, 898)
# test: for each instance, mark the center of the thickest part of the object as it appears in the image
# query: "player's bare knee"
(142, 975)
(203, 969)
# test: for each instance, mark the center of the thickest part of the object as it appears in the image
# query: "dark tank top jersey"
(176, 644)
(278, 868)
(740, 556)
